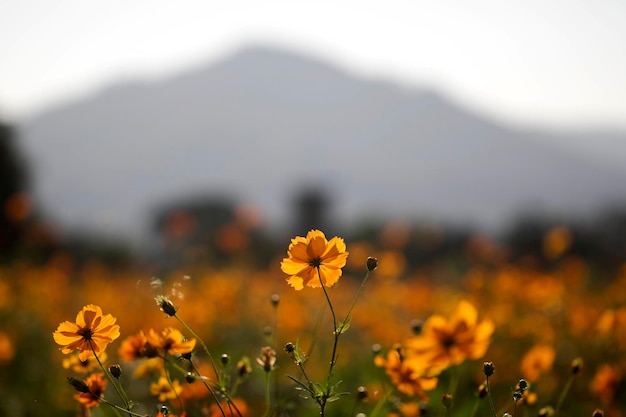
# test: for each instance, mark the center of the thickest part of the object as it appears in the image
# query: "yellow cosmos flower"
(446, 342)
(83, 367)
(313, 255)
(164, 390)
(536, 361)
(170, 341)
(91, 333)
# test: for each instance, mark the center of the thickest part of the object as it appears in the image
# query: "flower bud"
(598, 413)
(416, 326)
(225, 359)
(243, 367)
(482, 391)
(78, 384)
(290, 347)
(372, 263)
(523, 385)
(361, 393)
(166, 305)
(488, 369)
(190, 377)
(577, 366)
(546, 411)
(447, 400)
(116, 371)
(275, 299)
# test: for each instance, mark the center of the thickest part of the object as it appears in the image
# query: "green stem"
(117, 407)
(475, 409)
(119, 389)
(169, 381)
(381, 403)
(356, 297)
(213, 394)
(333, 357)
(493, 408)
(267, 394)
(204, 346)
(563, 394)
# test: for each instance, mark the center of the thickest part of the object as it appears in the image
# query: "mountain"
(262, 122)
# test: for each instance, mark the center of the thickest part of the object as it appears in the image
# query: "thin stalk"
(204, 346)
(381, 403)
(563, 394)
(213, 394)
(356, 297)
(493, 408)
(119, 389)
(267, 394)
(169, 381)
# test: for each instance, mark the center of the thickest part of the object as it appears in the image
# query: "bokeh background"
(477, 149)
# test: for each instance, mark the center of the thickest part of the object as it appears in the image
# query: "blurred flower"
(97, 384)
(165, 390)
(449, 342)
(605, 383)
(92, 331)
(556, 241)
(171, 341)
(134, 347)
(411, 377)
(312, 255)
(410, 409)
(7, 351)
(82, 367)
(536, 361)
(267, 359)
(149, 368)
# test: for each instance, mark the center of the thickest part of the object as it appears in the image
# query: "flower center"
(316, 262)
(85, 333)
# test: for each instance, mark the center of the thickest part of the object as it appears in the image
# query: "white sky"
(555, 63)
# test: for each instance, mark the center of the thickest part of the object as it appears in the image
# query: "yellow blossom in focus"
(537, 360)
(164, 390)
(313, 255)
(91, 333)
(444, 342)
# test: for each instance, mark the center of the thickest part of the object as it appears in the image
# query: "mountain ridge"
(262, 121)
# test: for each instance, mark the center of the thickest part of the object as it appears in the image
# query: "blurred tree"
(14, 200)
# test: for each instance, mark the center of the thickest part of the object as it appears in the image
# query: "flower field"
(328, 327)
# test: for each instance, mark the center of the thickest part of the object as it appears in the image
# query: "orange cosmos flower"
(171, 341)
(134, 347)
(313, 255)
(446, 342)
(91, 333)
(536, 361)
(96, 383)
(410, 376)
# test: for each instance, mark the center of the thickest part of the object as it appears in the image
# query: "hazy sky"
(551, 62)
